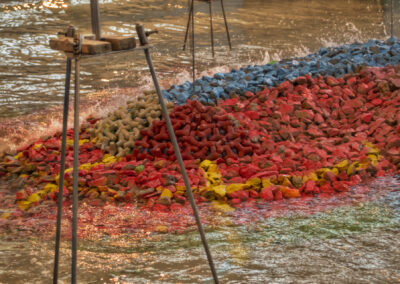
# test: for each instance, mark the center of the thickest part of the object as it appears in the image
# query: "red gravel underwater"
(310, 137)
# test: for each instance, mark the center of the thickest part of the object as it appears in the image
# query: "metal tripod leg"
(193, 52)
(62, 170)
(188, 25)
(75, 175)
(144, 42)
(226, 25)
(211, 27)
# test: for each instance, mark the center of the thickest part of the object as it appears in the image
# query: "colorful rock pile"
(117, 133)
(335, 61)
(310, 136)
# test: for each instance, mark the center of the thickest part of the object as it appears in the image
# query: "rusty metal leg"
(144, 42)
(226, 25)
(95, 16)
(62, 170)
(188, 25)
(211, 28)
(193, 51)
(75, 175)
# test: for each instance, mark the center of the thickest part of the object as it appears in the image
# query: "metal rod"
(140, 32)
(193, 51)
(95, 16)
(188, 24)
(75, 175)
(211, 28)
(62, 169)
(391, 18)
(226, 25)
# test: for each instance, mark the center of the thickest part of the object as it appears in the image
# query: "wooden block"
(64, 44)
(120, 43)
(89, 47)
(95, 47)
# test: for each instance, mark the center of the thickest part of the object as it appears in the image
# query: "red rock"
(236, 201)
(340, 186)
(248, 171)
(366, 117)
(253, 194)
(377, 102)
(330, 176)
(310, 187)
(241, 194)
(331, 81)
(266, 193)
(326, 188)
(101, 181)
(278, 195)
(252, 114)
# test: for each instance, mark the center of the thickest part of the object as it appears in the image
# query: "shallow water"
(32, 75)
(353, 242)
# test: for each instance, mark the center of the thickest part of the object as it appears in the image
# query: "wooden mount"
(94, 47)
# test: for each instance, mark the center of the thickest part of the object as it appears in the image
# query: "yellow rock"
(37, 146)
(214, 178)
(219, 189)
(289, 192)
(222, 207)
(83, 141)
(320, 172)
(374, 159)
(161, 229)
(266, 182)
(50, 187)
(342, 165)
(87, 166)
(286, 182)
(351, 169)
(108, 159)
(19, 155)
(23, 205)
(254, 183)
(5, 215)
(180, 189)
(213, 168)
(235, 187)
(166, 192)
(34, 198)
(372, 149)
(311, 176)
(205, 164)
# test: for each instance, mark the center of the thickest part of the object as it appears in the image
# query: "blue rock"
(327, 61)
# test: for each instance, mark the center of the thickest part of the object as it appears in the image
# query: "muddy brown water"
(353, 243)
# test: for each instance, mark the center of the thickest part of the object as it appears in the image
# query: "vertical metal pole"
(95, 15)
(75, 175)
(143, 41)
(211, 27)
(226, 25)
(193, 51)
(391, 18)
(62, 170)
(188, 25)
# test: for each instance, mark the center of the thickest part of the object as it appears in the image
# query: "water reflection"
(31, 73)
